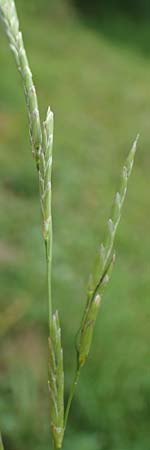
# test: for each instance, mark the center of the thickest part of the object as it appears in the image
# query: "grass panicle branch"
(100, 276)
(104, 263)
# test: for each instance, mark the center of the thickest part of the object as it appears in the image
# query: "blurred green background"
(93, 67)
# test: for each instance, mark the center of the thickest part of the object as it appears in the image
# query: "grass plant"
(41, 137)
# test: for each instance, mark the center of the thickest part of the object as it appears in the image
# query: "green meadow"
(96, 78)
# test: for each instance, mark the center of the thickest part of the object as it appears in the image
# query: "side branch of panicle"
(103, 265)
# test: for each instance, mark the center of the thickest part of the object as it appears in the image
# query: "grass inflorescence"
(41, 137)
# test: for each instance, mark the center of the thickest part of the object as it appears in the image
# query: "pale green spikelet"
(89, 318)
(106, 249)
(1, 443)
(45, 168)
(56, 382)
(10, 21)
(105, 259)
(87, 330)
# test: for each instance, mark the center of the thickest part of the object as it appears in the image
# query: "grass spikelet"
(45, 168)
(87, 330)
(56, 382)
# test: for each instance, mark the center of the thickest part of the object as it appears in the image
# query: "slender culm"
(41, 137)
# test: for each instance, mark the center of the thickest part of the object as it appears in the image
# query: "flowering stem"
(48, 247)
(71, 395)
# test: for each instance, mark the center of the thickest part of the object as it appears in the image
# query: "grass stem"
(48, 246)
(71, 395)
